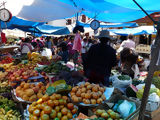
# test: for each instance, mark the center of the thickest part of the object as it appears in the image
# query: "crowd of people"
(97, 55)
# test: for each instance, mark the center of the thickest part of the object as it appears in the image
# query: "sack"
(120, 83)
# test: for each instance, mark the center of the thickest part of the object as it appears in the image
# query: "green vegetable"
(156, 81)
(124, 77)
(50, 90)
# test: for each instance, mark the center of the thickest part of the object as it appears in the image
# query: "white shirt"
(84, 47)
(128, 43)
(26, 49)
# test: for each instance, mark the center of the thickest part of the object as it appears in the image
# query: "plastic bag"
(124, 108)
(47, 52)
(136, 70)
(120, 83)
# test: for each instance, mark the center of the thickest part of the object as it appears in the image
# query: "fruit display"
(44, 61)
(34, 56)
(3, 76)
(6, 66)
(8, 110)
(88, 94)
(56, 68)
(108, 115)
(6, 60)
(30, 92)
(21, 71)
(4, 87)
(55, 107)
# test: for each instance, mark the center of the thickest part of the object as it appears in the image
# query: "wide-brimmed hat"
(104, 33)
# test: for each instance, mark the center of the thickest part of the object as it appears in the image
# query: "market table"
(9, 48)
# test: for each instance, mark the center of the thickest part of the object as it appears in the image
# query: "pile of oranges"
(52, 107)
(88, 94)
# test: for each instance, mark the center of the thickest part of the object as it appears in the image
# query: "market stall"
(37, 86)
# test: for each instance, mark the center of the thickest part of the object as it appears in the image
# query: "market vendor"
(100, 60)
(128, 60)
(26, 46)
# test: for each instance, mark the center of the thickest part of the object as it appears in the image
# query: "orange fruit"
(56, 102)
(58, 96)
(57, 108)
(47, 109)
(45, 117)
(64, 118)
(74, 111)
(64, 111)
(52, 97)
(38, 106)
(50, 103)
(65, 98)
(53, 114)
(69, 115)
(34, 118)
(70, 106)
(31, 109)
(43, 105)
(36, 112)
(45, 97)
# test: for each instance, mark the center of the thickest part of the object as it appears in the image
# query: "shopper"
(70, 48)
(129, 43)
(128, 59)
(63, 51)
(100, 60)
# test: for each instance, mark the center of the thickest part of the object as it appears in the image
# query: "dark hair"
(34, 44)
(128, 55)
(26, 40)
(130, 36)
(104, 40)
(85, 39)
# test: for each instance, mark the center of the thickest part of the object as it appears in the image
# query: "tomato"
(45, 117)
(47, 109)
(36, 112)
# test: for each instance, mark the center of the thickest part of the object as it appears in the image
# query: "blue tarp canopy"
(111, 25)
(20, 23)
(34, 27)
(135, 31)
(113, 10)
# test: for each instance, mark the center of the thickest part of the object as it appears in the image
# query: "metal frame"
(152, 67)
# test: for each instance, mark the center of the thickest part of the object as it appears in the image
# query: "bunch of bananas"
(10, 115)
(6, 66)
(3, 84)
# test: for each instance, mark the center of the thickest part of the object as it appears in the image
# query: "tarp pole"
(152, 68)
(155, 22)
(0, 32)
